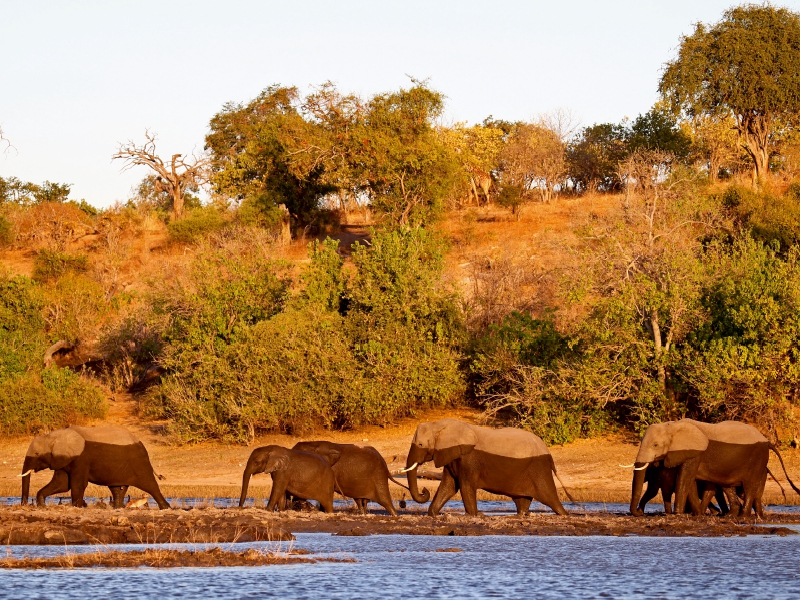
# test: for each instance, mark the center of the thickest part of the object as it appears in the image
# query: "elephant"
(109, 456)
(728, 454)
(662, 479)
(511, 462)
(301, 474)
(360, 472)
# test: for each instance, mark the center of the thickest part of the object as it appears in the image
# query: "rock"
(449, 550)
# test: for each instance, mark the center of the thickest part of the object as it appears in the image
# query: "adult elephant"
(109, 456)
(360, 472)
(511, 462)
(302, 474)
(728, 454)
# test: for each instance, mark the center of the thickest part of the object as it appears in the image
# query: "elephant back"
(511, 442)
(114, 436)
(730, 432)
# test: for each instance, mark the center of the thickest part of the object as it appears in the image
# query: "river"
(485, 567)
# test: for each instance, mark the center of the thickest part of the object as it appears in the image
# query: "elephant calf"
(301, 474)
(360, 472)
(109, 456)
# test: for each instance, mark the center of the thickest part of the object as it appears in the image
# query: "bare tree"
(174, 177)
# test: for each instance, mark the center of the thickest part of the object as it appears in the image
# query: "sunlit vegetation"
(673, 288)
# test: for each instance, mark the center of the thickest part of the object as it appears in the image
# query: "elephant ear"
(453, 440)
(329, 453)
(65, 446)
(277, 462)
(687, 442)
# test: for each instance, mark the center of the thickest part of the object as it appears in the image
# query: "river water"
(486, 567)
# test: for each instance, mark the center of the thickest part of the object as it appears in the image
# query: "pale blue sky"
(79, 77)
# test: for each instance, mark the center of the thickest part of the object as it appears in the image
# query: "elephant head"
(263, 460)
(441, 441)
(54, 450)
(674, 443)
(327, 450)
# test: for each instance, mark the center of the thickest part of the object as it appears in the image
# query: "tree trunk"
(416, 455)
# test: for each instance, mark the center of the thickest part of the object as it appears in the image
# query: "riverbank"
(65, 525)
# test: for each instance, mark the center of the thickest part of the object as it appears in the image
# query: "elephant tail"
(566, 491)
(778, 482)
(393, 480)
(783, 466)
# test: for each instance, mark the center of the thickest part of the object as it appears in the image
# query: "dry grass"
(166, 558)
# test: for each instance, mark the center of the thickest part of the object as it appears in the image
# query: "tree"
(477, 149)
(593, 157)
(407, 169)
(658, 130)
(714, 143)
(267, 153)
(531, 161)
(173, 177)
(746, 66)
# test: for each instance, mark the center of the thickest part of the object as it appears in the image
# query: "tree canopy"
(747, 65)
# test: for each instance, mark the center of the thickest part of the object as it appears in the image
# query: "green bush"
(58, 398)
(52, 264)
(6, 231)
(197, 224)
(22, 342)
(344, 351)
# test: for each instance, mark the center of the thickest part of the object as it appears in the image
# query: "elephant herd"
(693, 461)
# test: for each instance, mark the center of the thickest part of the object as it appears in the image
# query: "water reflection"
(487, 567)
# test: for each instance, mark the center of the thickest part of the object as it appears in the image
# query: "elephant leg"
(278, 493)
(447, 489)
(650, 492)
(77, 484)
(666, 483)
(385, 500)
(147, 483)
(118, 495)
(686, 488)
(733, 501)
(709, 491)
(469, 495)
(58, 485)
(723, 505)
(361, 505)
(523, 505)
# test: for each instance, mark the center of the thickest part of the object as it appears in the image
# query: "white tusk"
(628, 466)
(26, 474)
(644, 466)
(414, 466)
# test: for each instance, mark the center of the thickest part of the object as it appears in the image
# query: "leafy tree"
(407, 169)
(592, 158)
(477, 149)
(658, 130)
(745, 66)
(255, 149)
(714, 143)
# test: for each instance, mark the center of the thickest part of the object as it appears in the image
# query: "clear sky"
(77, 77)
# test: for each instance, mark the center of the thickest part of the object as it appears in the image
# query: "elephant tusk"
(630, 466)
(644, 466)
(26, 474)
(414, 466)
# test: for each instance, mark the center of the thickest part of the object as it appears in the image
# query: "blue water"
(457, 507)
(487, 567)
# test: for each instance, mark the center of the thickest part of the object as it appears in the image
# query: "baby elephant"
(301, 474)
(360, 472)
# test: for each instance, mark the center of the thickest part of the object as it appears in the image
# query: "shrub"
(74, 307)
(196, 225)
(6, 231)
(52, 264)
(58, 398)
(22, 342)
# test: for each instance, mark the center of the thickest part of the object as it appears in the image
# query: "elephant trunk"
(26, 480)
(636, 489)
(416, 456)
(249, 470)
